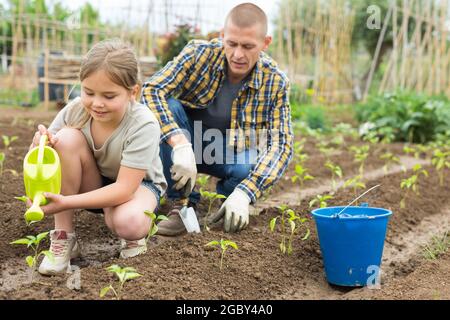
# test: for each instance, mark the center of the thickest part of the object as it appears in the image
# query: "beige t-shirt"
(134, 143)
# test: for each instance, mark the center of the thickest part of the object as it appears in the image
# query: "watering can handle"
(40, 158)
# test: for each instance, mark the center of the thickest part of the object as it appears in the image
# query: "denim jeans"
(231, 171)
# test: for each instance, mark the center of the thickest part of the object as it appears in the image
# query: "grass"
(438, 246)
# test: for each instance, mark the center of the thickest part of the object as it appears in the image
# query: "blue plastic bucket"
(351, 243)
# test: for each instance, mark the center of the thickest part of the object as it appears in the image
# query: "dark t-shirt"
(218, 114)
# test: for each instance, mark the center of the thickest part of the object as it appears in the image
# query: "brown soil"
(182, 268)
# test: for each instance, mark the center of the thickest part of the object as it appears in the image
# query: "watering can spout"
(35, 213)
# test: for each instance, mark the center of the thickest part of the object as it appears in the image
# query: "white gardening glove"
(184, 169)
(235, 208)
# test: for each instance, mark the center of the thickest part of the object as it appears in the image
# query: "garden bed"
(182, 268)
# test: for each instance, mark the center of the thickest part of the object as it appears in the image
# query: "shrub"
(413, 117)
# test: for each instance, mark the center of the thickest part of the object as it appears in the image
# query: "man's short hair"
(247, 15)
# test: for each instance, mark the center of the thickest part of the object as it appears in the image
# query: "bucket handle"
(338, 215)
(40, 158)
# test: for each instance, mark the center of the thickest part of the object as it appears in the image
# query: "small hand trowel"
(187, 214)
(41, 173)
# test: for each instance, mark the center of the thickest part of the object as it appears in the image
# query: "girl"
(109, 150)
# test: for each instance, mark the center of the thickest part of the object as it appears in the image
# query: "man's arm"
(273, 162)
(164, 84)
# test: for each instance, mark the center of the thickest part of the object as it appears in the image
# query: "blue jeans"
(230, 172)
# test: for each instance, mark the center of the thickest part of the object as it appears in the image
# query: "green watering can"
(41, 173)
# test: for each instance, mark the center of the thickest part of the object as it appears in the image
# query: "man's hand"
(236, 210)
(184, 169)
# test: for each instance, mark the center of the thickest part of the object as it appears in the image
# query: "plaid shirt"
(195, 76)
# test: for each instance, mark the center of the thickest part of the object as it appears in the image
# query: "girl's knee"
(130, 226)
(70, 139)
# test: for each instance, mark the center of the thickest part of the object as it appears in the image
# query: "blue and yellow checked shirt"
(194, 78)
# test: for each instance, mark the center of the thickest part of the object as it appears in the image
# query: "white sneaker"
(131, 249)
(63, 246)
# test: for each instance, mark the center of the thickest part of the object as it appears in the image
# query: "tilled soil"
(183, 268)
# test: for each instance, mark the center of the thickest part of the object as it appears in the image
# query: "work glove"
(184, 169)
(236, 211)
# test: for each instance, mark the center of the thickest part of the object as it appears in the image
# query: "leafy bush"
(412, 117)
(313, 115)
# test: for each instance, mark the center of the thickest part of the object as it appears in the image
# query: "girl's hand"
(56, 203)
(42, 130)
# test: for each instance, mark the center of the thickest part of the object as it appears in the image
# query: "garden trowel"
(187, 214)
(41, 173)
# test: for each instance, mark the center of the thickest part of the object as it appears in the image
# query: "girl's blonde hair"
(117, 59)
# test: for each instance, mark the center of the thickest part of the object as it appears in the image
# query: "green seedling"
(33, 242)
(441, 161)
(325, 149)
(8, 140)
(299, 156)
(211, 196)
(437, 247)
(355, 183)
(290, 217)
(416, 152)
(338, 140)
(123, 274)
(335, 171)
(360, 156)
(346, 129)
(301, 174)
(153, 226)
(411, 183)
(223, 245)
(2, 159)
(390, 159)
(202, 180)
(321, 200)
(372, 137)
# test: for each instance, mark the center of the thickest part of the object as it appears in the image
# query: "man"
(226, 87)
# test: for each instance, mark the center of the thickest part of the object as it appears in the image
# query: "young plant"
(411, 183)
(437, 247)
(33, 242)
(390, 159)
(123, 274)
(299, 156)
(338, 140)
(301, 174)
(211, 196)
(420, 149)
(355, 183)
(153, 226)
(202, 180)
(8, 140)
(372, 137)
(290, 217)
(223, 245)
(321, 200)
(335, 171)
(325, 149)
(360, 156)
(2, 159)
(441, 161)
